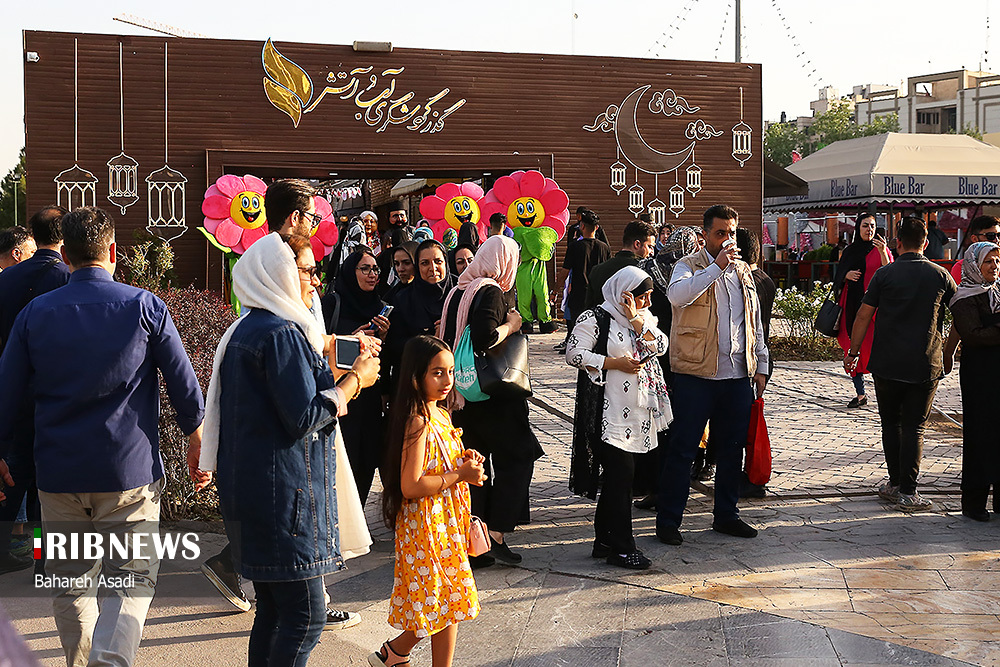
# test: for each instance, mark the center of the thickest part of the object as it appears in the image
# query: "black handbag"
(503, 369)
(828, 318)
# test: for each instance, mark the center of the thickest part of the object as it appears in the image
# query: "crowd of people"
(669, 337)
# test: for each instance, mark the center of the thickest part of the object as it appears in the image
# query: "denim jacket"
(276, 460)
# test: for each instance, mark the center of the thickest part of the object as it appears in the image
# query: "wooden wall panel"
(515, 104)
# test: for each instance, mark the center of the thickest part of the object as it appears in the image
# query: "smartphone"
(348, 349)
(386, 309)
(643, 359)
(880, 233)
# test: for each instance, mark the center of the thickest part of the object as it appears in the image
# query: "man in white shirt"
(716, 348)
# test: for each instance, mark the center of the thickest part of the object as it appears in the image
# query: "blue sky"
(845, 42)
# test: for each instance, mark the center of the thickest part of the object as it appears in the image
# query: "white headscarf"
(265, 277)
(625, 280)
(973, 282)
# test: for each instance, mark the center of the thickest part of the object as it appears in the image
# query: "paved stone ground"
(835, 578)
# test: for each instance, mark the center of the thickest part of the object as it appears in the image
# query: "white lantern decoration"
(166, 187)
(618, 177)
(76, 187)
(123, 171)
(635, 194)
(658, 211)
(742, 132)
(694, 179)
(676, 200)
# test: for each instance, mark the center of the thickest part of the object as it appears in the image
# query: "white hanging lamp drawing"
(76, 187)
(618, 175)
(166, 186)
(741, 137)
(635, 194)
(123, 170)
(676, 198)
(657, 209)
(694, 179)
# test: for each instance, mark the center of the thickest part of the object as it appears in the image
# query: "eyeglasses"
(309, 272)
(368, 270)
(314, 218)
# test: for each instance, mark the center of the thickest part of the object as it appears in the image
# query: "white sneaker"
(888, 492)
(914, 503)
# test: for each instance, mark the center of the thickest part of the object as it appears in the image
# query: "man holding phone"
(717, 365)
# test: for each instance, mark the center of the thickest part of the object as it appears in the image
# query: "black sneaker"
(222, 575)
(630, 561)
(560, 348)
(736, 528)
(548, 327)
(481, 561)
(502, 553)
(338, 619)
(707, 473)
(12, 563)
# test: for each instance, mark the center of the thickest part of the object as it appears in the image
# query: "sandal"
(386, 657)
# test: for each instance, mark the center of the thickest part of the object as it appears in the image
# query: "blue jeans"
(725, 406)
(288, 623)
(859, 383)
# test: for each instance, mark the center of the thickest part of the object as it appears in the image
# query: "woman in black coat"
(354, 307)
(496, 427)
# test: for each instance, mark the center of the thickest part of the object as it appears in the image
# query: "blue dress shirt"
(89, 353)
(19, 284)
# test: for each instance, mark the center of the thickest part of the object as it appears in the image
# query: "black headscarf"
(357, 307)
(854, 258)
(451, 256)
(419, 306)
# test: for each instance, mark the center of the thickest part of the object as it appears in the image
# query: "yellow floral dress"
(433, 585)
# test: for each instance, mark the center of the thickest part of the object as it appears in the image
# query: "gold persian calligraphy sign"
(290, 89)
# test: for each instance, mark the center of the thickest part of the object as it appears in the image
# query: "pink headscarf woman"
(494, 264)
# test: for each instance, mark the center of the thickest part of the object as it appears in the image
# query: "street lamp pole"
(739, 55)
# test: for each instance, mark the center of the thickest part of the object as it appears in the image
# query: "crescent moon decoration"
(635, 149)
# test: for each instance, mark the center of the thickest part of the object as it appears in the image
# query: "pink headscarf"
(495, 263)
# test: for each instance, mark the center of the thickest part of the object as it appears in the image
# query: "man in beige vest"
(716, 347)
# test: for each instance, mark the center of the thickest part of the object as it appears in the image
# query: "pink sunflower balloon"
(528, 199)
(234, 212)
(451, 206)
(324, 235)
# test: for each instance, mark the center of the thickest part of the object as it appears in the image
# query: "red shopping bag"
(758, 463)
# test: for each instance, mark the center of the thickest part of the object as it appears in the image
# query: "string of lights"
(800, 52)
(986, 49)
(660, 44)
(722, 32)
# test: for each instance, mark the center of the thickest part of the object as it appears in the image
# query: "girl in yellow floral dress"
(426, 500)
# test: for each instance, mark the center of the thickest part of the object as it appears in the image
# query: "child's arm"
(413, 483)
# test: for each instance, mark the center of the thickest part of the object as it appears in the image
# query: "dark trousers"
(502, 500)
(22, 469)
(859, 383)
(725, 406)
(288, 623)
(980, 441)
(903, 408)
(613, 518)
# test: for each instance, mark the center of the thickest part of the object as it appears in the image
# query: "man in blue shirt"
(42, 272)
(89, 354)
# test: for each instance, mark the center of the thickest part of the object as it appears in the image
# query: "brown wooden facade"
(520, 111)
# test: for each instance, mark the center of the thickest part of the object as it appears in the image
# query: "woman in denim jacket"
(276, 402)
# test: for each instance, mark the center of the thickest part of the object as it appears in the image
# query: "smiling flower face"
(528, 199)
(451, 206)
(324, 235)
(234, 212)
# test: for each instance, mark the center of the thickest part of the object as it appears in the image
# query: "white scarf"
(973, 282)
(265, 277)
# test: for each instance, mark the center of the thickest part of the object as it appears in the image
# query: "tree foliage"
(13, 181)
(835, 124)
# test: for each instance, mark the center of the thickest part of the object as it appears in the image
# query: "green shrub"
(799, 309)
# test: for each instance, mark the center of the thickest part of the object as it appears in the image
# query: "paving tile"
(894, 579)
(854, 650)
(566, 656)
(778, 638)
(675, 647)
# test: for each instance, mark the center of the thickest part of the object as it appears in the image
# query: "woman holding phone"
(354, 307)
(621, 405)
(866, 254)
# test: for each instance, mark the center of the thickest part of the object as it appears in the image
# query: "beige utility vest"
(694, 331)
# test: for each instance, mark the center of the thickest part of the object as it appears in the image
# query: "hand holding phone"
(346, 350)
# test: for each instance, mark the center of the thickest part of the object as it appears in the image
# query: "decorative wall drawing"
(741, 137)
(166, 187)
(76, 187)
(451, 206)
(290, 89)
(123, 171)
(633, 150)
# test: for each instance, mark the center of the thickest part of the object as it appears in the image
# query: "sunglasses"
(990, 236)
